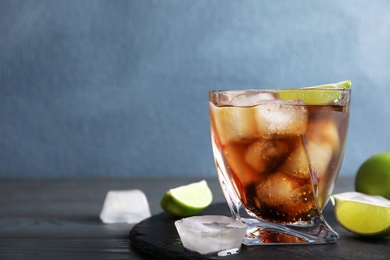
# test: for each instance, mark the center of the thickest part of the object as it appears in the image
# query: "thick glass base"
(261, 232)
(266, 233)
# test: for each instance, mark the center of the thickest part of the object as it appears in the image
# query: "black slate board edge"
(145, 236)
(157, 237)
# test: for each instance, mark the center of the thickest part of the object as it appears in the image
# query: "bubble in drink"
(283, 197)
(263, 155)
(297, 163)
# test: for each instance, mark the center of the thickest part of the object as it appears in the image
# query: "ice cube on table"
(125, 206)
(277, 117)
(211, 234)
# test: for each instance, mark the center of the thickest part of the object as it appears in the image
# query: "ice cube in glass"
(278, 117)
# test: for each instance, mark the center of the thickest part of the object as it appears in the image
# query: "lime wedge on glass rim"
(316, 95)
(187, 200)
(362, 214)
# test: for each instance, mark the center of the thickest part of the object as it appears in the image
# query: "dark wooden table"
(59, 219)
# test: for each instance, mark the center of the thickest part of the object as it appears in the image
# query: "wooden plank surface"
(59, 219)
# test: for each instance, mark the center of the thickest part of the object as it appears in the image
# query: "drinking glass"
(278, 154)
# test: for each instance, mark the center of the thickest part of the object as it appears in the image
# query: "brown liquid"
(282, 175)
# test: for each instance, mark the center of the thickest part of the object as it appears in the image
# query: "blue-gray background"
(119, 88)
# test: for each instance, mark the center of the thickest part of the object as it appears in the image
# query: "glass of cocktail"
(278, 154)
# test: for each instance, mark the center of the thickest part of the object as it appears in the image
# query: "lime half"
(362, 214)
(317, 95)
(187, 200)
(341, 84)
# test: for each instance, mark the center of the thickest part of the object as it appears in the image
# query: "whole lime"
(373, 176)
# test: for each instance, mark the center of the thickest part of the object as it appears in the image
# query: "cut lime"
(317, 95)
(187, 200)
(341, 84)
(362, 214)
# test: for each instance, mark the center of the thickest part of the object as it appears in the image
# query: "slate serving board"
(157, 237)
